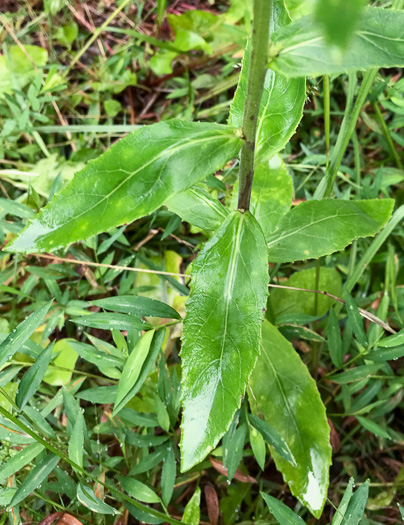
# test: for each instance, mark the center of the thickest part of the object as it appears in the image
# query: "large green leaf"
(287, 396)
(299, 49)
(221, 332)
(198, 208)
(130, 180)
(271, 194)
(280, 112)
(317, 228)
(284, 303)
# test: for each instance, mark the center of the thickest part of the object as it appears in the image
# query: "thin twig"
(364, 313)
(111, 266)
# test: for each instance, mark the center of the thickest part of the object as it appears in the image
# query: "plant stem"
(326, 92)
(255, 85)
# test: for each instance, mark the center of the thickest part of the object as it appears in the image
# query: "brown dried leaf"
(212, 502)
(60, 518)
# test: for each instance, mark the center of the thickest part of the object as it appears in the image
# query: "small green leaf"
(87, 498)
(334, 339)
(273, 438)
(283, 514)
(15, 340)
(76, 441)
(221, 332)
(282, 384)
(131, 371)
(32, 379)
(340, 513)
(15, 208)
(197, 207)
(132, 179)
(35, 478)
(356, 507)
(386, 354)
(299, 49)
(280, 112)
(283, 302)
(107, 321)
(373, 427)
(257, 443)
(137, 305)
(233, 449)
(393, 340)
(355, 374)
(192, 513)
(138, 490)
(356, 320)
(17, 462)
(168, 474)
(317, 228)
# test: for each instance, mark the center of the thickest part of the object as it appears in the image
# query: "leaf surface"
(299, 49)
(221, 332)
(317, 228)
(283, 514)
(131, 180)
(271, 194)
(283, 386)
(137, 305)
(199, 208)
(280, 112)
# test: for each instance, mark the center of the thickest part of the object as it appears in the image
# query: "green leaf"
(356, 319)
(197, 207)
(356, 507)
(16, 339)
(280, 112)
(393, 340)
(32, 379)
(386, 354)
(138, 490)
(355, 374)
(16, 208)
(273, 438)
(233, 449)
(18, 67)
(284, 303)
(339, 20)
(132, 179)
(76, 441)
(373, 427)
(35, 478)
(283, 514)
(131, 371)
(168, 474)
(282, 384)
(334, 339)
(257, 443)
(17, 462)
(87, 498)
(271, 194)
(299, 49)
(340, 513)
(137, 305)
(221, 332)
(317, 228)
(192, 511)
(107, 321)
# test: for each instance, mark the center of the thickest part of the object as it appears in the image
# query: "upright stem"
(259, 43)
(326, 91)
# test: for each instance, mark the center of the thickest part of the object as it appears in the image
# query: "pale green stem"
(326, 94)
(387, 136)
(259, 43)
